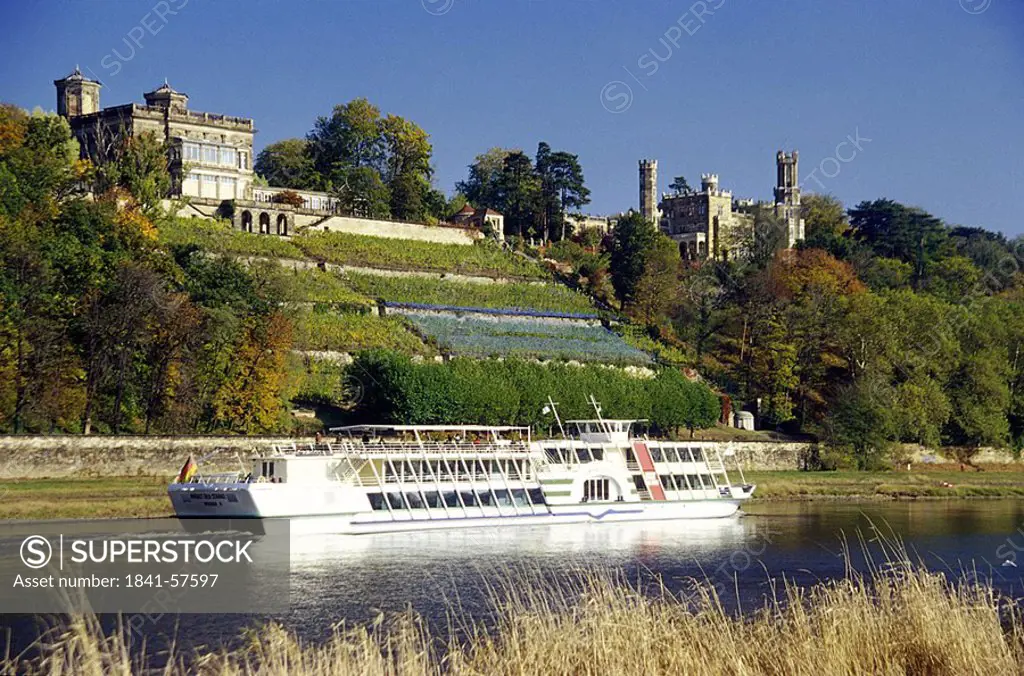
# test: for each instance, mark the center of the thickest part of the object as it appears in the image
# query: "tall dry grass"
(897, 619)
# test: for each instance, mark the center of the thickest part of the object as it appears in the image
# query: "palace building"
(710, 222)
(210, 159)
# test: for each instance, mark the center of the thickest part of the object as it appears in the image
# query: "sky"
(915, 100)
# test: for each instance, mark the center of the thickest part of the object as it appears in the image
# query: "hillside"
(346, 294)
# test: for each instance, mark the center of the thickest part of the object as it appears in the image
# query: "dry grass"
(897, 620)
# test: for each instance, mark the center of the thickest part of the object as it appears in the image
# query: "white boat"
(386, 478)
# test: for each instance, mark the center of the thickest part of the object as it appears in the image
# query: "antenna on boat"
(551, 408)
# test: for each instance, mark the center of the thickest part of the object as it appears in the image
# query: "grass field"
(923, 481)
(84, 498)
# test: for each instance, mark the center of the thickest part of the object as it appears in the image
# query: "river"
(357, 577)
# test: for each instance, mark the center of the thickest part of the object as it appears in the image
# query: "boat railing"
(222, 478)
(354, 446)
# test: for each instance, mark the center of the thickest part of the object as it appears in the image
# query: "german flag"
(188, 470)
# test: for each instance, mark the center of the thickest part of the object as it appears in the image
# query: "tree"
(407, 169)
(562, 189)
(140, 167)
(632, 240)
(482, 187)
(896, 231)
(679, 186)
(518, 192)
(656, 290)
(287, 164)
(861, 421)
(249, 400)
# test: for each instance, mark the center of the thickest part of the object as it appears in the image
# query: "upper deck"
(603, 430)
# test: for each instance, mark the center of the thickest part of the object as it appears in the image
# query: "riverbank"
(146, 496)
(937, 481)
(906, 622)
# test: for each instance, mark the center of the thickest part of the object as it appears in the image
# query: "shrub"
(510, 391)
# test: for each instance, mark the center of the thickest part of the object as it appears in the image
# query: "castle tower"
(649, 190)
(166, 97)
(787, 196)
(77, 95)
(709, 182)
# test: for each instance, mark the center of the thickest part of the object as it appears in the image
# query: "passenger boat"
(383, 478)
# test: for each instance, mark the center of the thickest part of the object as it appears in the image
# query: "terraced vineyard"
(351, 332)
(483, 258)
(520, 296)
(476, 335)
(312, 286)
(220, 237)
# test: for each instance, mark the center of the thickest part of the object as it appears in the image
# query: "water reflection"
(354, 578)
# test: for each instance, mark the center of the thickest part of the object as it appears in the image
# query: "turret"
(77, 95)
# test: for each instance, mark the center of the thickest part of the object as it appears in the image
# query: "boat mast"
(600, 420)
(554, 409)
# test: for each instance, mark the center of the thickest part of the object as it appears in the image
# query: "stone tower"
(787, 196)
(649, 190)
(77, 95)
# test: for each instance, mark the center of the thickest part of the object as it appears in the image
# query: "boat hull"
(347, 518)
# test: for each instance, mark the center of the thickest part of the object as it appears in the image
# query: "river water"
(355, 578)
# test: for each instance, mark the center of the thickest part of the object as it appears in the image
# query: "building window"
(227, 156)
(210, 154)
(190, 152)
(227, 186)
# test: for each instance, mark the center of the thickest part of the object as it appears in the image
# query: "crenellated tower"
(787, 196)
(649, 190)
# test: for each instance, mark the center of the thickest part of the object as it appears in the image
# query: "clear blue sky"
(936, 85)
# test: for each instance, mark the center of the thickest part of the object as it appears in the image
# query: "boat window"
(553, 455)
(376, 501)
(694, 481)
(596, 489)
(638, 481)
(415, 501)
(656, 455)
(681, 482)
(536, 496)
(469, 498)
(485, 498)
(519, 497)
(597, 454)
(671, 455)
(666, 482)
(395, 500)
(582, 454)
(503, 498)
(451, 499)
(433, 499)
(698, 453)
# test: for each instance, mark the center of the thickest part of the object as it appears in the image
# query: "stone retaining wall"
(66, 456)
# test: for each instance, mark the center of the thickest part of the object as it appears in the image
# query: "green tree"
(632, 240)
(679, 186)
(287, 164)
(518, 194)
(482, 187)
